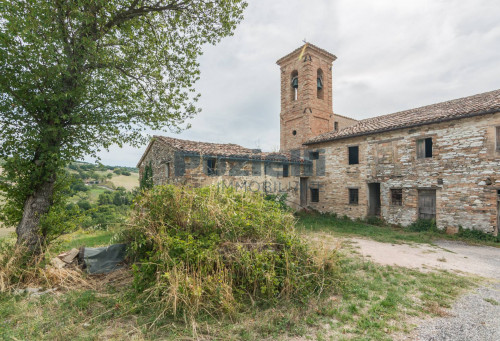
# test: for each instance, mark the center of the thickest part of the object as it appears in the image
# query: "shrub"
(374, 220)
(211, 250)
(280, 199)
(476, 235)
(423, 225)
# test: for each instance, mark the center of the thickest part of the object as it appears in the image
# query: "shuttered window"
(424, 148)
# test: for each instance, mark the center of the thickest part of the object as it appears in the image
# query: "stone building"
(197, 164)
(440, 161)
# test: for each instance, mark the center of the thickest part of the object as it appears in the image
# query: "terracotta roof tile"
(488, 102)
(225, 149)
(311, 46)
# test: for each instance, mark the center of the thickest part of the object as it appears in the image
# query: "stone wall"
(343, 122)
(250, 175)
(464, 170)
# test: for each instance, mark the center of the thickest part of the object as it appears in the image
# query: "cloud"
(392, 55)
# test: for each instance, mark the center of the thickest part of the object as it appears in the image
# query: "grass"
(129, 182)
(374, 303)
(6, 232)
(491, 300)
(83, 238)
(345, 227)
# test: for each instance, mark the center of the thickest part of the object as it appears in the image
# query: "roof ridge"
(457, 108)
(430, 105)
(350, 118)
(301, 47)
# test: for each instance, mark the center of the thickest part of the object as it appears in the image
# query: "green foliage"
(77, 77)
(423, 225)
(476, 235)
(280, 199)
(146, 181)
(344, 226)
(374, 220)
(212, 250)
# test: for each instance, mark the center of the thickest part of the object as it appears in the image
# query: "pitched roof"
(311, 46)
(481, 104)
(229, 150)
(214, 149)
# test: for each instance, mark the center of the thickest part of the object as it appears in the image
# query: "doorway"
(426, 204)
(374, 199)
(303, 192)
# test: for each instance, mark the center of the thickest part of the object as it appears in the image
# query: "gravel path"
(474, 317)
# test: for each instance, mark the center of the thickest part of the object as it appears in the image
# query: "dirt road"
(444, 255)
(476, 315)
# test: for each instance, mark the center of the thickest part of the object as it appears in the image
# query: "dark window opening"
(319, 80)
(294, 132)
(336, 126)
(424, 148)
(397, 197)
(314, 155)
(295, 85)
(353, 155)
(353, 196)
(212, 167)
(314, 195)
(285, 171)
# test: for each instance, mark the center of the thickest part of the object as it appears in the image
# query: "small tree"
(78, 76)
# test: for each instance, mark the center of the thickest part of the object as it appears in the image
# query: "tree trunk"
(37, 204)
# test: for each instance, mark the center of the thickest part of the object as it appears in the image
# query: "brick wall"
(308, 116)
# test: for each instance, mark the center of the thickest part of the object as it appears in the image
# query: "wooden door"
(427, 204)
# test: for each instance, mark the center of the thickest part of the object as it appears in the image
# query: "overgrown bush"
(476, 235)
(212, 250)
(280, 199)
(423, 225)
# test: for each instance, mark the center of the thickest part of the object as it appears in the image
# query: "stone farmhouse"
(440, 161)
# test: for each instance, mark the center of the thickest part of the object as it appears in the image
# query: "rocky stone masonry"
(464, 170)
(182, 162)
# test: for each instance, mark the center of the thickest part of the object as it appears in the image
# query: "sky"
(392, 55)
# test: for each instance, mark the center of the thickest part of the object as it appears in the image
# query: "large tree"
(77, 76)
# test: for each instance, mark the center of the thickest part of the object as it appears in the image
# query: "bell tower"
(306, 95)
